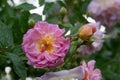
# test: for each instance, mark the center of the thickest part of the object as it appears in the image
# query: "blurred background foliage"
(14, 24)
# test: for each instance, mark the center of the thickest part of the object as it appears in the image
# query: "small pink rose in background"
(107, 12)
(44, 45)
(89, 72)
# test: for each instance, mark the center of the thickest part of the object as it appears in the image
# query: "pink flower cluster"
(105, 11)
(44, 45)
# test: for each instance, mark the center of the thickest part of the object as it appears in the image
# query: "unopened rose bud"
(87, 31)
(63, 11)
(31, 22)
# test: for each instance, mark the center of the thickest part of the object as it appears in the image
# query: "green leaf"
(67, 25)
(76, 28)
(0, 74)
(48, 8)
(3, 61)
(73, 49)
(20, 26)
(61, 3)
(18, 65)
(6, 37)
(36, 17)
(41, 2)
(26, 7)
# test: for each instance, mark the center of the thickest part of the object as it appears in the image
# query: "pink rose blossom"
(105, 11)
(44, 45)
(89, 72)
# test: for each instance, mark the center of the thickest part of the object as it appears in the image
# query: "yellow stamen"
(46, 43)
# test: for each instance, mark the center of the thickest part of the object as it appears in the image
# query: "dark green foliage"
(48, 8)
(35, 17)
(13, 25)
(26, 7)
(41, 2)
(18, 65)
(6, 37)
